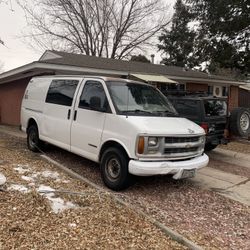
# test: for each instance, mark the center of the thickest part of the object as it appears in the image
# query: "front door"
(88, 123)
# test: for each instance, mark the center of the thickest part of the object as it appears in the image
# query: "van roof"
(104, 78)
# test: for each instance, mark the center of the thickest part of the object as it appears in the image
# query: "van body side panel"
(55, 127)
(33, 101)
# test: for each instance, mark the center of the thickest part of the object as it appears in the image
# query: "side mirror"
(95, 103)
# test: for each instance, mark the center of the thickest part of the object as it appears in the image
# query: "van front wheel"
(33, 141)
(114, 169)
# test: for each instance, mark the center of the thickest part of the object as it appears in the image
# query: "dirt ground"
(237, 146)
(42, 208)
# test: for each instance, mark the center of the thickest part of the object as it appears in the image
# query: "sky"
(16, 52)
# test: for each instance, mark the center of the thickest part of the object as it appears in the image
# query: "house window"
(210, 90)
(225, 91)
(171, 86)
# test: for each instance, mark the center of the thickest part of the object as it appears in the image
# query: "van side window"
(93, 89)
(61, 92)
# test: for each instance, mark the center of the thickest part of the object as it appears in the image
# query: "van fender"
(113, 141)
(32, 120)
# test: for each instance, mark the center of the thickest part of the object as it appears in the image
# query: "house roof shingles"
(129, 66)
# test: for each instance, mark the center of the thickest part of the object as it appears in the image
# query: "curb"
(233, 154)
(166, 230)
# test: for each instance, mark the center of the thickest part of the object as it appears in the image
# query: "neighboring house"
(14, 82)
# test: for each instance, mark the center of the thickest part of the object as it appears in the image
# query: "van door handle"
(75, 114)
(69, 112)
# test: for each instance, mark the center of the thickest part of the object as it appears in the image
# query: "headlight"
(152, 141)
(148, 145)
(203, 139)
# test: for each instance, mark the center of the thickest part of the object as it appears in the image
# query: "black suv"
(207, 111)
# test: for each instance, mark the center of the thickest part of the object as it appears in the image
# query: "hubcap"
(113, 169)
(244, 121)
(33, 139)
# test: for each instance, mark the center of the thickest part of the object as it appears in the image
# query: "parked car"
(129, 127)
(207, 111)
(211, 113)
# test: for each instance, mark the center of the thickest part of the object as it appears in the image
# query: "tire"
(240, 122)
(33, 141)
(209, 147)
(114, 169)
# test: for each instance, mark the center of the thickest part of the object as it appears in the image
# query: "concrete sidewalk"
(231, 157)
(12, 130)
(232, 186)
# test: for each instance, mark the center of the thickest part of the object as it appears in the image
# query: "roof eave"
(83, 70)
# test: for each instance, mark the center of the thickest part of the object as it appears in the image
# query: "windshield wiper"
(167, 112)
(137, 111)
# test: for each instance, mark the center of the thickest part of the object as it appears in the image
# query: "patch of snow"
(2, 179)
(35, 175)
(19, 188)
(50, 174)
(57, 203)
(21, 169)
(45, 188)
(65, 181)
(27, 178)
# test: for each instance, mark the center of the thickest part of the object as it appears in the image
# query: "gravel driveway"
(210, 220)
(204, 217)
(42, 208)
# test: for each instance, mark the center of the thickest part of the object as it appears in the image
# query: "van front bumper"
(148, 168)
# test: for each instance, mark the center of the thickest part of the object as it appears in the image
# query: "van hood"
(164, 125)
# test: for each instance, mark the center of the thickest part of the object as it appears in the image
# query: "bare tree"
(1, 41)
(108, 28)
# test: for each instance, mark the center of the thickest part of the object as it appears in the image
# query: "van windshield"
(139, 99)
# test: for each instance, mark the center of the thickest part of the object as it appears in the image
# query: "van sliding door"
(58, 112)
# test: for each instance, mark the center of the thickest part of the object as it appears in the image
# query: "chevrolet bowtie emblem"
(190, 131)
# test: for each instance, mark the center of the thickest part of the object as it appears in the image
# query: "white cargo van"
(129, 127)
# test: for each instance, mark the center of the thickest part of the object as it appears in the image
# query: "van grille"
(182, 147)
(181, 139)
(180, 150)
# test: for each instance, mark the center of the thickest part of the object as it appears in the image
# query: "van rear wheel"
(33, 141)
(114, 169)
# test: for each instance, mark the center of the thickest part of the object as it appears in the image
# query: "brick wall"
(11, 95)
(196, 87)
(233, 99)
(244, 98)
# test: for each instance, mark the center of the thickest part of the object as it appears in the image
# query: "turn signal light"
(205, 127)
(141, 144)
